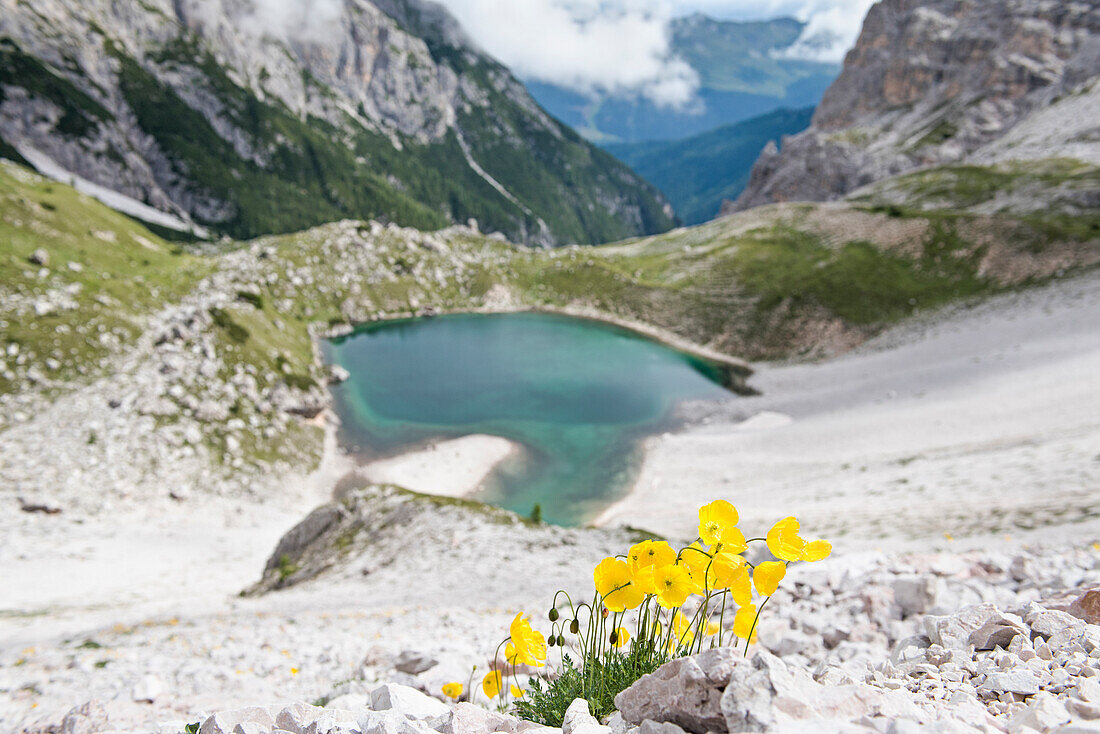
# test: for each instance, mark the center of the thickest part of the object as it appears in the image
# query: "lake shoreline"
(452, 467)
(735, 370)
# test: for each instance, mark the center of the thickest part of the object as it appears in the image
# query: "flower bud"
(551, 641)
(561, 640)
(574, 626)
(554, 614)
(604, 612)
(614, 637)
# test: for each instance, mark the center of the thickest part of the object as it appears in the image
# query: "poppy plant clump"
(651, 604)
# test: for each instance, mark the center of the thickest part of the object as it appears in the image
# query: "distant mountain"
(743, 74)
(698, 173)
(939, 82)
(205, 113)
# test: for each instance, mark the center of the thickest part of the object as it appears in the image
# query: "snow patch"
(119, 202)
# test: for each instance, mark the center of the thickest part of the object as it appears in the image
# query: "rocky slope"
(934, 82)
(245, 119)
(994, 640)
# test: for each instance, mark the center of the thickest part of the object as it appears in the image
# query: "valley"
(270, 462)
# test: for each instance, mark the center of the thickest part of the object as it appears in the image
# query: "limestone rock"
(87, 718)
(915, 594)
(577, 714)
(40, 257)
(413, 662)
(294, 718)
(659, 727)
(409, 701)
(1023, 682)
(687, 692)
(953, 631)
(997, 631)
(390, 721)
(578, 719)
(224, 722)
(467, 718)
(148, 689)
(1043, 713)
(1087, 606)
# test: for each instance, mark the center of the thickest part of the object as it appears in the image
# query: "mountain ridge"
(186, 106)
(939, 82)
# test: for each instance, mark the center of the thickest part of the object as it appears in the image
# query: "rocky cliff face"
(931, 82)
(248, 119)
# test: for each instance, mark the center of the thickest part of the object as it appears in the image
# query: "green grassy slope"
(106, 275)
(698, 173)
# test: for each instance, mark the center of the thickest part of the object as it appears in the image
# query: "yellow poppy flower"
(528, 644)
(622, 636)
(744, 620)
(452, 690)
(723, 568)
(712, 628)
(817, 550)
(517, 692)
(491, 683)
(613, 582)
(767, 575)
(673, 585)
(784, 541)
(716, 520)
(740, 587)
(650, 553)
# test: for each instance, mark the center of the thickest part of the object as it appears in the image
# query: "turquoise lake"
(577, 394)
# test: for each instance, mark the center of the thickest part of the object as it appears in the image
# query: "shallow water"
(577, 394)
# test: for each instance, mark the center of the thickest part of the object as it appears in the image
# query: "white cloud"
(619, 46)
(832, 26)
(299, 19)
(623, 45)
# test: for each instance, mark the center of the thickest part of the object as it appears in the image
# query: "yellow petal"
(491, 683)
(784, 541)
(767, 575)
(642, 579)
(817, 550)
(744, 620)
(517, 692)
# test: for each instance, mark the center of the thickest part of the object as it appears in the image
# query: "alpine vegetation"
(650, 606)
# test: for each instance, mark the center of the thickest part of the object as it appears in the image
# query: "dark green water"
(578, 395)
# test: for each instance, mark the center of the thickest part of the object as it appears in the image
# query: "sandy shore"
(454, 468)
(982, 422)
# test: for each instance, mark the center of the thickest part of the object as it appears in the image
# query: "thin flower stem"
(722, 619)
(748, 640)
